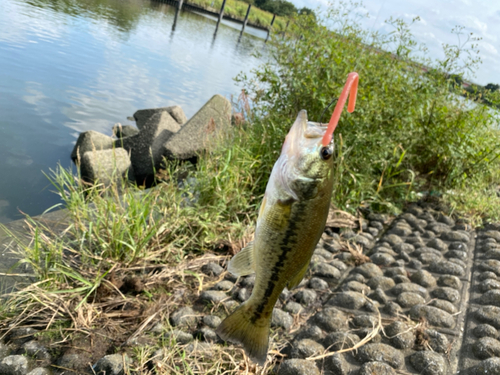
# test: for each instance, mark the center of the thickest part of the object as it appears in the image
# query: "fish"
(290, 222)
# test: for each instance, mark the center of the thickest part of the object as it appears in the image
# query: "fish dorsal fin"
(298, 277)
(243, 264)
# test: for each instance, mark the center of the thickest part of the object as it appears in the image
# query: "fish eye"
(326, 152)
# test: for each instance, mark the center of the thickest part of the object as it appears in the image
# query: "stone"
(486, 347)
(490, 366)
(410, 287)
(224, 285)
(113, 364)
(392, 308)
(491, 297)
(459, 262)
(485, 330)
(212, 269)
(348, 300)
(450, 281)
(368, 270)
(491, 234)
(318, 284)
(179, 336)
(367, 321)
(248, 281)
(382, 282)
(381, 353)
(90, 141)
(447, 267)
(492, 254)
(492, 265)
(409, 299)
(489, 284)
(123, 131)
(243, 294)
(423, 278)
(213, 296)
(306, 296)
(306, 348)
(14, 365)
(309, 332)
(298, 367)
(438, 244)
(376, 368)
(184, 317)
(142, 116)
(457, 254)
(212, 321)
(401, 279)
(336, 341)
(395, 271)
(281, 319)
(490, 315)
(73, 361)
(428, 258)
(293, 307)
(356, 286)
(437, 341)
(147, 148)
(336, 365)
(323, 253)
(443, 305)
(400, 230)
(206, 334)
(404, 247)
(487, 275)
(326, 270)
(341, 266)
(331, 320)
(36, 350)
(209, 123)
(106, 166)
(428, 363)
(382, 259)
(400, 334)
(393, 239)
(446, 293)
(438, 228)
(379, 296)
(434, 316)
(455, 236)
(457, 245)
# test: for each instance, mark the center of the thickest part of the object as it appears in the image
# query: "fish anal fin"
(243, 263)
(298, 277)
(252, 335)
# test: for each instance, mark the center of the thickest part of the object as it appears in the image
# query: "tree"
(492, 87)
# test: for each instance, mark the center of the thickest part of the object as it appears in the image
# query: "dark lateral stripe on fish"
(285, 247)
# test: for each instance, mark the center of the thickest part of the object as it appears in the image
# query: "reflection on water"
(68, 66)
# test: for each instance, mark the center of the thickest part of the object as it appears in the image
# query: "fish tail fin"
(253, 336)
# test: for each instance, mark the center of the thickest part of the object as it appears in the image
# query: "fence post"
(246, 19)
(269, 30)
(221, 14)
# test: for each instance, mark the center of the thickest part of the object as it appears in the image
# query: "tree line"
(280, 7)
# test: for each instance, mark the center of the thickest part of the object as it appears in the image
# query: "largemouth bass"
(291, 221)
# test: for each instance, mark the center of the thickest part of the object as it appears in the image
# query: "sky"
(437, 19)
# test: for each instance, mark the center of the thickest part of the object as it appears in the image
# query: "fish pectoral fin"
(243, 263)
(298, 277)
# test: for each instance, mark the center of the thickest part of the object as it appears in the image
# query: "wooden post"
(286, 28)
(246, 19)
(269, 30)
(179, 4)
(221, 14)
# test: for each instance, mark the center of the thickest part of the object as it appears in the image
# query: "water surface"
(71, 66)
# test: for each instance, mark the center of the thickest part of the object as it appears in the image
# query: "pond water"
(68, 66)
